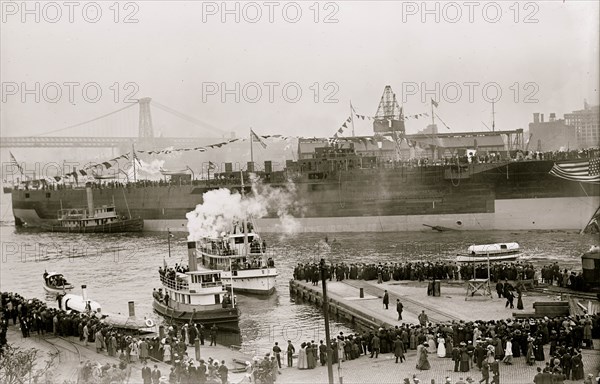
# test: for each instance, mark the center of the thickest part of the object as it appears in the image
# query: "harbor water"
(118, 268)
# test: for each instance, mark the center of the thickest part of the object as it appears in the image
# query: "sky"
(187, 55)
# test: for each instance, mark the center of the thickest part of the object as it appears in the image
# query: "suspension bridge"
(119, 121)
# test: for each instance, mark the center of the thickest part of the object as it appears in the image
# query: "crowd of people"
(35, 317)
(415, 271)
(469, 346)
(551, 274)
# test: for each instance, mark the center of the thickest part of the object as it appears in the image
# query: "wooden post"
(326, 316)
(197, 348)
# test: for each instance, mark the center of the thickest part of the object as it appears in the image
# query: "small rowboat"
(493, 252)
(56, 283)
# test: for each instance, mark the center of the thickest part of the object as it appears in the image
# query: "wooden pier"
(363, 313)
(359, 303)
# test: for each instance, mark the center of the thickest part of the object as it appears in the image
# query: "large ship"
(387, 182)
(340, 191)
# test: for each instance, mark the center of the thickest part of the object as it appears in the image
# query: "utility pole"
(326, 316)
(493, 117)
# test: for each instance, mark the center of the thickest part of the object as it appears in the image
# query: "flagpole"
(432, 114)
(133, 154)
(169, 240)
(352, 116)
(251, 148)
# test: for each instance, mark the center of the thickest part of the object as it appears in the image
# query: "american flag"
(257, 138)
(581, 170)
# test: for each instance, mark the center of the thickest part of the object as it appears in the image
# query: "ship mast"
(244, 222)
(134, 157)
(352, 117)
(251, 155)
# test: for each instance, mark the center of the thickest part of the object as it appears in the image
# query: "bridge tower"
(388, 118)
(146, 131)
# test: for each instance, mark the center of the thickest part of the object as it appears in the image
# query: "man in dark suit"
(399, 350)
(213, 335)
(499, 289)
(537, 379)
(156, 375)
(146, 374)
(386, 299)
(375, 345)
(322, 353)
(399, 308)
(456, 357)
(277, 353)
(290, 353)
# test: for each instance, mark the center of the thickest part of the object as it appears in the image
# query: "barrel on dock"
(361, 293)
(434, 288)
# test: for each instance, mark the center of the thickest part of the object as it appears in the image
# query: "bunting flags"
(135, 158)
(343, 127)
(406, 117)
(434, 103)
(90, 170)
(255, 137)
(211, 166)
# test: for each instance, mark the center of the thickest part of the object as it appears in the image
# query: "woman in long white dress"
(167, 353)
(302, 359)
(135, 351)
(441, 349)
(431, 348)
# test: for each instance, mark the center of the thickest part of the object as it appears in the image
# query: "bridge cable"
(190, 119)
(85, 122)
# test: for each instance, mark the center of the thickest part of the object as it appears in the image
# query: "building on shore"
(586, 125)
(551, 135)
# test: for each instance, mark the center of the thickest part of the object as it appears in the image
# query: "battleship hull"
(503, 196)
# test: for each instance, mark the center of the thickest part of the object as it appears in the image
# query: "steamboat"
(242, 258)
(103, 219)
(196, 295)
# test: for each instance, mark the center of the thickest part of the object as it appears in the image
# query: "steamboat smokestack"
(192, 256)
(84, 293)
(90, 201)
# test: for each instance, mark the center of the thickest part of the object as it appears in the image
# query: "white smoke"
(144, 170)
(151, 169)
(221, 208)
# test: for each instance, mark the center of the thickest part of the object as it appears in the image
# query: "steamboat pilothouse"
(242, 258)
